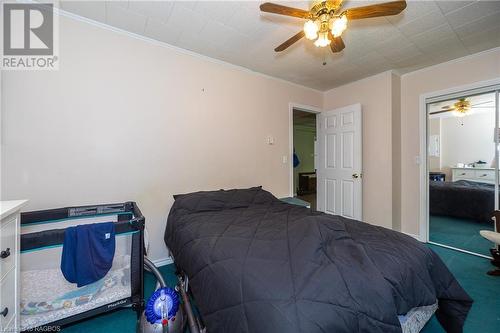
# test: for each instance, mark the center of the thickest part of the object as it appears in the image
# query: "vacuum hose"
(153, 269)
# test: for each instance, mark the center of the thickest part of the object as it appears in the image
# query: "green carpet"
(469, 270)
(459, 233)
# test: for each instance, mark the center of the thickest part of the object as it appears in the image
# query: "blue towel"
(296, 160)
(88, 252)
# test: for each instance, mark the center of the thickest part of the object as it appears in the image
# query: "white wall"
(126, 119)
(469, 142)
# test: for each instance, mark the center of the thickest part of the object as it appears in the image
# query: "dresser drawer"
(8, 298)
(485, 175)
(8, 244)
(464, 174)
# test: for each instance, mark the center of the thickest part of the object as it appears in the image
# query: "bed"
(462, 199)
(257, 264)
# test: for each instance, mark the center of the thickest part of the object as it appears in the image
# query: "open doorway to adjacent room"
(304, 157)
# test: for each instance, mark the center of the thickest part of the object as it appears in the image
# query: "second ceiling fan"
(326, 21)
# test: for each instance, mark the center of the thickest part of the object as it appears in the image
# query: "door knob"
(355, 176)
(5, 312)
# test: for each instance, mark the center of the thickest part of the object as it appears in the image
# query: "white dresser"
(9, 264)
(485, 175)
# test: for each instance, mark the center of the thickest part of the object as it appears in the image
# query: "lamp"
(462, 107)
(338, 25)
(322, 40)
(311, 29)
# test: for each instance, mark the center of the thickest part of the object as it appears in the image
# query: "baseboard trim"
(163, 261)
(417, 237)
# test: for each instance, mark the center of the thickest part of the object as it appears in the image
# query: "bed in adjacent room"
(462, 199)
(257, 264)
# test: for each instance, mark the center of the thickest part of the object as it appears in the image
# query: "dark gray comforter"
(462, 199)
(257, 264)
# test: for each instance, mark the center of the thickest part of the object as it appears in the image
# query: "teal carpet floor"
(484, 316)
(462, 234)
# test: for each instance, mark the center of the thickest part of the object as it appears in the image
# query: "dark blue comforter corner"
(257, 264)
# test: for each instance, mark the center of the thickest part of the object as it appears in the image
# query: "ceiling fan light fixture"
(322, 40)
(462, 108)
(311, 29)
(326, 21)
(339, 25)
(460, 113)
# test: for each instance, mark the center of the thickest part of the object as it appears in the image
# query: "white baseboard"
(163, 261)
(417, 237)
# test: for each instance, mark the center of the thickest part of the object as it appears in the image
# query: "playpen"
(47, 299)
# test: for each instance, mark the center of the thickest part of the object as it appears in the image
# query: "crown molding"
(155, 42)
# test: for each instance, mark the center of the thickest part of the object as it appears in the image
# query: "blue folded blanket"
(88, 252)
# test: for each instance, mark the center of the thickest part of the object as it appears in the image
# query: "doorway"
(304, 157)
(462, 169)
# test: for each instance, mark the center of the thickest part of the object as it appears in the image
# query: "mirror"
(461, 166)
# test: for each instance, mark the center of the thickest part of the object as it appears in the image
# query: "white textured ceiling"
(426, 33)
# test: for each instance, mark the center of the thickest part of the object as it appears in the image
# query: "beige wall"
(125, 119)
(468, 140)
(480, 67)
(396, 150)
(375, 95)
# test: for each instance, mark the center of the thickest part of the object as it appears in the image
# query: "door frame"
(423, 235)
(304, 108)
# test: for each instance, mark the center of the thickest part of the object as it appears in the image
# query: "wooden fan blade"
(337, 43)
(382, 9)
(284, 10)
(487, 102)
(438, 112)
(290, 41)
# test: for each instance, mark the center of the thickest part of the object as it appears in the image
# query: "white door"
(339, 162)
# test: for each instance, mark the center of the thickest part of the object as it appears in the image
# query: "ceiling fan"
(462, 107)
(326, 21)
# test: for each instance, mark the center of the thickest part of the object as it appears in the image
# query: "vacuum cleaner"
(168, 309)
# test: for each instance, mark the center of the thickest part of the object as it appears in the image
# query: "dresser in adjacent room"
(9, 264)
(484, 175)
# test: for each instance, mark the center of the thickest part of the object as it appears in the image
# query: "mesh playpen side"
(47, 298)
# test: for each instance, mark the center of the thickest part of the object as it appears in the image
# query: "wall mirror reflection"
(461, 162)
